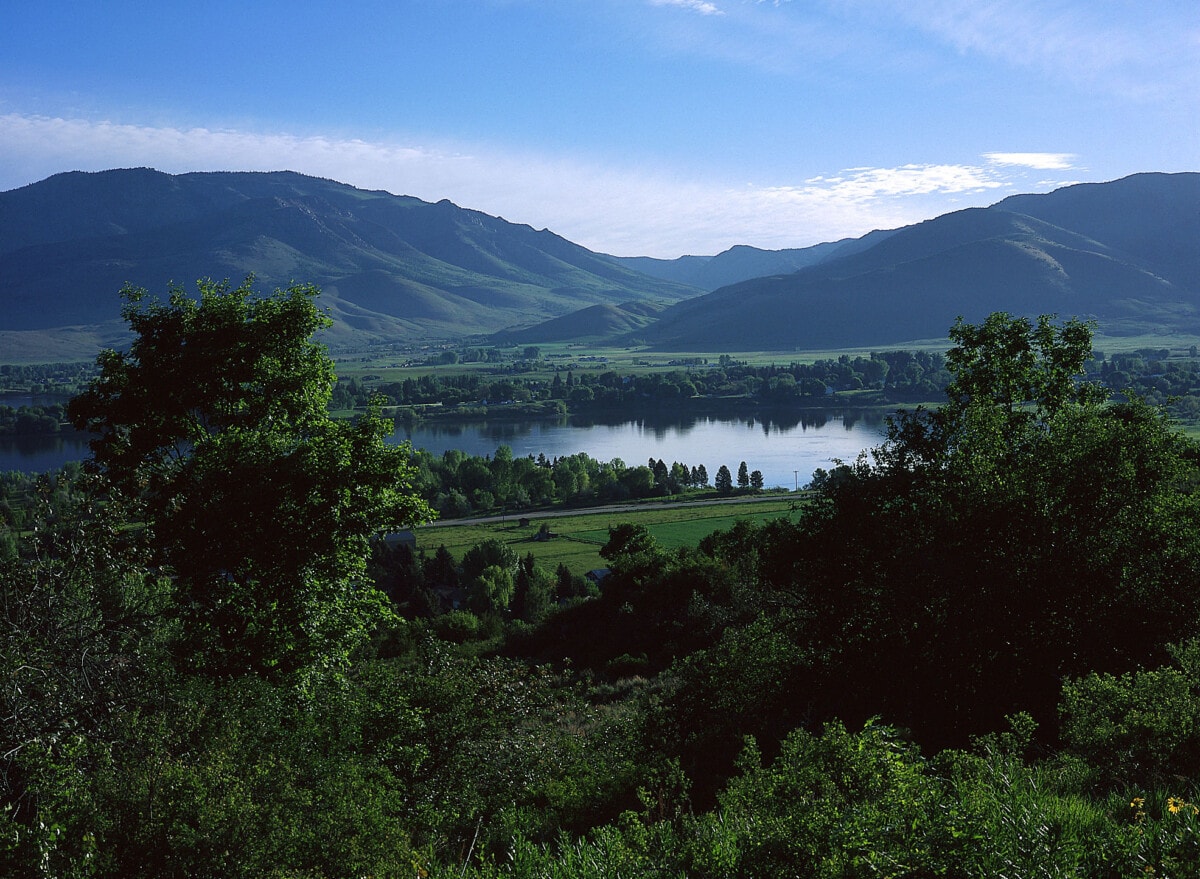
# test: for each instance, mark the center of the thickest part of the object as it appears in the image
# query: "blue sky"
(635, 127)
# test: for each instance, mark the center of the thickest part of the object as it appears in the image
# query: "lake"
(37, 454)
(785, 448)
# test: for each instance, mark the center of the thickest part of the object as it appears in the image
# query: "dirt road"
(615, 508)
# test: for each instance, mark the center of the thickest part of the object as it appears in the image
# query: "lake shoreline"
(745, 408)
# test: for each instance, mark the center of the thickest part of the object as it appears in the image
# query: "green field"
(557, 357)
(579, 537)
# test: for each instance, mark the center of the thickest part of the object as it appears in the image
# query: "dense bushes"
(957, 662)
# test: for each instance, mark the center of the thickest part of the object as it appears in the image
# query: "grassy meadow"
(579, 537)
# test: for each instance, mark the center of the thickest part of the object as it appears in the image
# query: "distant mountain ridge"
(1124, 253)
(743, 262)
(594, 323)
(389, 266)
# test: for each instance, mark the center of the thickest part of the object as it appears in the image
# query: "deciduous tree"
(261, 506)
(1024, 532)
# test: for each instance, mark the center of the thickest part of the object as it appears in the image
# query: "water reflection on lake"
(38, 454)
(785, 447)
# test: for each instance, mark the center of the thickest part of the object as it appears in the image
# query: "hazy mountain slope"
(1126, 256)
(390, 266)
(592, 323)
(1150, 218)
(742, 262)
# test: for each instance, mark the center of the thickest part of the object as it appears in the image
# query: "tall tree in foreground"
(1026, 531)
(214, 426)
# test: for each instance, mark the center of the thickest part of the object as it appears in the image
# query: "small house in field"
(597, 575)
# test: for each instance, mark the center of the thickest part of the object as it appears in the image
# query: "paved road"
(615, 508)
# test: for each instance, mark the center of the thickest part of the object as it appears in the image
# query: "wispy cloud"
(610, 209)
(701, 6)
(1040, 161)
(864, 184)
(1144, 50)
(1137, 51)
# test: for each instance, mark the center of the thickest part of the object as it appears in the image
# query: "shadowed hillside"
(1126, 254)
(594, 322)
(390, 266)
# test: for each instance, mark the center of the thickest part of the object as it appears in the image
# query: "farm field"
(579, 538)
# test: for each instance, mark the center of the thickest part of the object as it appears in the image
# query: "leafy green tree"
(756, 480)
(534, 593)
(1140, 728)
(491, 590)
(80, 648)
(1024, 532)
(261, 506)
(626, 539)
(743, 477)
(488, 553)
(1025, 370)
(639, 481)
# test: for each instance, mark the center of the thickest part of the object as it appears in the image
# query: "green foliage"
(1023, 533)
(166, 648)
(458, 626)
(79, 648)
(628, 540)
(242, 779)
(1139, 727)
(261, 506)
(1007, 818)
(724, 480)
(486, 554)
(743, 685)
(1007, 363)
(837, 804)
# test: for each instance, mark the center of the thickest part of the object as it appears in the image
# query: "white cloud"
(865, 184)
(611, 209)
(701, 6)
(1038, 161)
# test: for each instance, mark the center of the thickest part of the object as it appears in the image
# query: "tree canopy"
(974, 654)
(1027, 530)
(214, 426)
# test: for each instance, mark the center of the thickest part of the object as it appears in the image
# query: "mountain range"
(1124, 253)
(389, 267)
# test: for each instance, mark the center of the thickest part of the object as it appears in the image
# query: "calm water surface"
(37, 454)
(786, 449)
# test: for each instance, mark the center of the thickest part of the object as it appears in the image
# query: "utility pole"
(796, 474)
